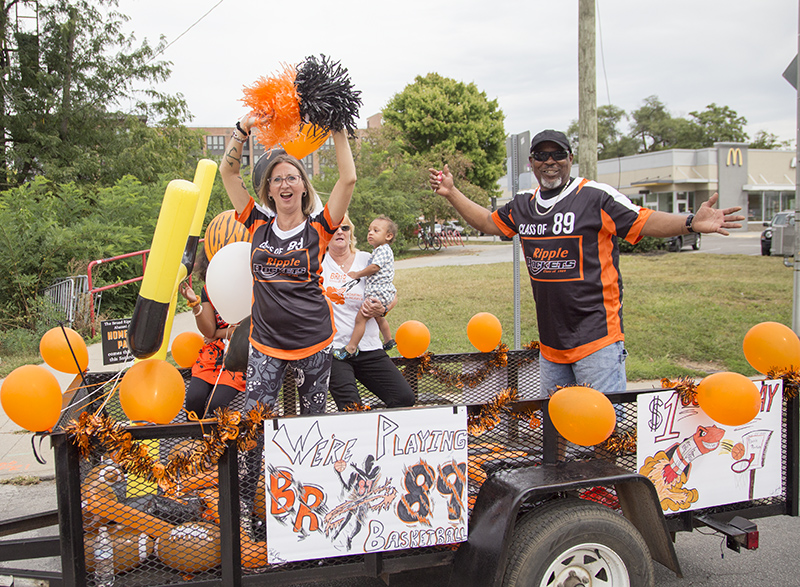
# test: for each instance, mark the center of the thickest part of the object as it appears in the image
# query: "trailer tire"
(574, 536)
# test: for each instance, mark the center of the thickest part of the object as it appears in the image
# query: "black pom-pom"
(327, 97)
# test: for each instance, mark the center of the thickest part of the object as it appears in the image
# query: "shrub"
(648, 244)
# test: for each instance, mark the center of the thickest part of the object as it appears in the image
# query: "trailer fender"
(481, 561)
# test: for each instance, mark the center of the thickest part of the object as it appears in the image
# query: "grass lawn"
(683, 314)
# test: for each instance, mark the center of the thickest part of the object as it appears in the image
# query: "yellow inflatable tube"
(203, 179)
(146, 331)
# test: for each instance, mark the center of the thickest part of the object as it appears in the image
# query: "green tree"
(768, 140)
(657, 129)
(438, 116)
(46, 229)
(653, 126)
(387, 184)
(720, 124)
(611, 142)
(62, 87)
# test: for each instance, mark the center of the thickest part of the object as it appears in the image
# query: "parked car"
(450, 225)
(778, 237)
(676, 243)
(454, 225)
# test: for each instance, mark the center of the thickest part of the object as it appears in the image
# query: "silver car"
(778, 237)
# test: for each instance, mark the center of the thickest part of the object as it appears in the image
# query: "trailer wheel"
(575, 543)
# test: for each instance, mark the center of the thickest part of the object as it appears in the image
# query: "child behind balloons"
(380, 276)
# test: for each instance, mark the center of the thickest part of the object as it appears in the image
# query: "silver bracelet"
(237, 139)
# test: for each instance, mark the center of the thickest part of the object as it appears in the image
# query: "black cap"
(554, 136)
(261, 166)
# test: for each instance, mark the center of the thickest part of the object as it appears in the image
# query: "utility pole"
(587, 90)
(796, 281)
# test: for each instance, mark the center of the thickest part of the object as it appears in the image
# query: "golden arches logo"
(734, 155)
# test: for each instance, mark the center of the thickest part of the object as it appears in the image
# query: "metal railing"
(65, 295)
(92, 290)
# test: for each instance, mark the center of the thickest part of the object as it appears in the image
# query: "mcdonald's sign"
(734, 155)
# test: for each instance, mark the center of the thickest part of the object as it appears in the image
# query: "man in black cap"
(569, 228)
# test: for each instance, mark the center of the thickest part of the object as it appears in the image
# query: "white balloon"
(229, 282)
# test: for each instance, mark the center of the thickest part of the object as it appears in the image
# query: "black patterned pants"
(311, 374)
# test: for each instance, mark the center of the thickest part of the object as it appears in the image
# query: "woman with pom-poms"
(292, 321)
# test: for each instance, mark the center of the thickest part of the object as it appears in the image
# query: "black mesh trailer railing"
(203, 532)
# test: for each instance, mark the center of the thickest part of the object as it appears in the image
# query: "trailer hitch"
(738, 531)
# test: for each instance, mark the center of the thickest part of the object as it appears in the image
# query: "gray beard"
(551, 184)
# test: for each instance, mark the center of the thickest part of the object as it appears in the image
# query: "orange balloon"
(186, 348)
(582, 415)
(130, 547)
(309, 140)
(31, 397)
(223, 230)
(412, 338)
(484, 331)
(729, 398)
(152, 391)
(771, 346)
(55, 350)
(192, 547)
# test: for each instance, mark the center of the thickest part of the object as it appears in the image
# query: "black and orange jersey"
(212, 354)
(291, 318)
(571, 252)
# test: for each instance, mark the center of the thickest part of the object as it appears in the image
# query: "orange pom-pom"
(275, 101)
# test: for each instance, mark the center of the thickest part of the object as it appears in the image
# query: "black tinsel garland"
(327, 97)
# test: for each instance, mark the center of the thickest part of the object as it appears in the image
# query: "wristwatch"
(689, 219)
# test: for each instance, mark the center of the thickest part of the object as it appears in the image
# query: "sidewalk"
(16, 452)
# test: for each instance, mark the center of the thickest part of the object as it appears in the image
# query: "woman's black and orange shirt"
(291, 318)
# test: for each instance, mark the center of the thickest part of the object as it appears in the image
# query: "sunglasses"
(543, 156)
(344, 228)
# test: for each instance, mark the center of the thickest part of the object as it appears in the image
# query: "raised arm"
(203, 312)
(343, 190)
(474, 214)
(707, 220)
(230, 167)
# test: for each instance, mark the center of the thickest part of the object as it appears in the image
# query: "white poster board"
(360, 482)
(696, 463)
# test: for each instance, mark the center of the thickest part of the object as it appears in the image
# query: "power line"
(608, 90)
(602, 53)
(168, 45)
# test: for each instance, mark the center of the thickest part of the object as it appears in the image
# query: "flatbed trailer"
(540, 511)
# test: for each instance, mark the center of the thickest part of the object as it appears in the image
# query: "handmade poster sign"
(365, 482)
(697, 463)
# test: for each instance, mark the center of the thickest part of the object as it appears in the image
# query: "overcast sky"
(524, 54)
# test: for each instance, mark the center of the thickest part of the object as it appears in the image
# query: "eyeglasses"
(543, 156)
(344, 228)
(289, 179)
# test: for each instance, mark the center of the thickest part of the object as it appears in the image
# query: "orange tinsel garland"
(488, 416)
(498, 359)
(791, 382)
(91, 430)
(686, 388)
(621, 443)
